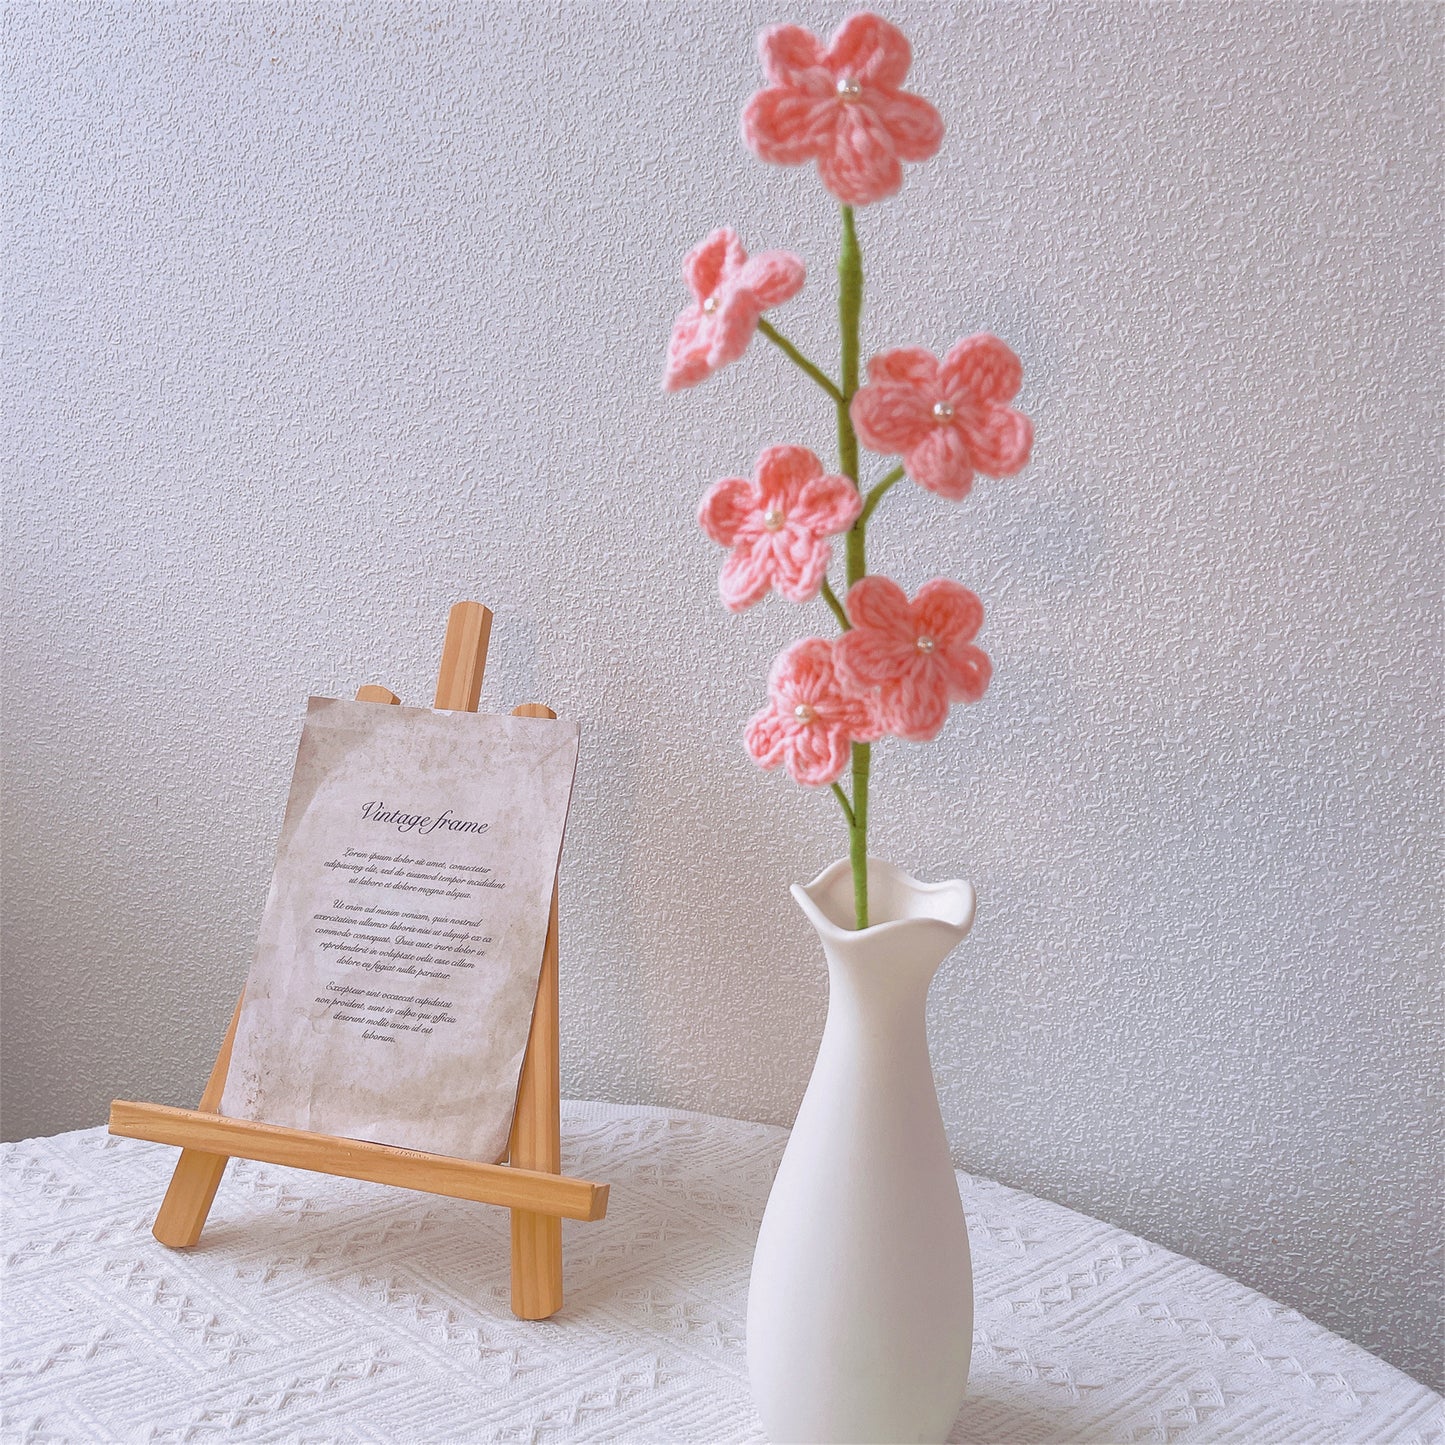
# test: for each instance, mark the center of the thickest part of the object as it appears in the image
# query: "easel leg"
(537, 1144)
(188, 1201)
(193, 1186)
(536, 1265)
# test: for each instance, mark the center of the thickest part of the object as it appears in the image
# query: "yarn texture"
(777, 526)
(730, 293)
(919, 655)
(813, 717)
(842, 106)
(900, 665)
(947, 420)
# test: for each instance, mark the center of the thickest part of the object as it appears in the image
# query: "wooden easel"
(530, 1184)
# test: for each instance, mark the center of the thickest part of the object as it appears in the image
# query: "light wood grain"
(197, 1176)
(464, 657)
(374, 692)
(536, 1141)
(356, 1159)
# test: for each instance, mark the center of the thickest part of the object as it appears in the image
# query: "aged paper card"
(396, 971)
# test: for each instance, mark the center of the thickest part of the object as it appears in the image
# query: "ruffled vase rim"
(948, 905)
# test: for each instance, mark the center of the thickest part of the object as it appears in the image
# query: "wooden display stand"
(530, 1184)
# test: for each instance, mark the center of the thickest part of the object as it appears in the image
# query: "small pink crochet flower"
(730, 293)
(812, 719)
(919, 655)
(777, 526)
(841, 107)
(946, 420)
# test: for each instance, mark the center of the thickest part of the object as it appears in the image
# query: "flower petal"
(868, 48)
(860, 716)
(787, 127)
(782, 472)
(799, 561)
(916, 710)
(733, 325)
(788, 52)
(746, 575)
(879, 603)
(981, 368)
(687, 351)
(947, 612)
(911, 364)
(773, 277)
(725, 507)
(892, 417)
(707, 263)
(999, 439)
(941, 462)
(817, 754)
(827, 505)
(966, 669)
(802, 672)
(766, 738)
(916, 128)
(860, 165)
(867, 658)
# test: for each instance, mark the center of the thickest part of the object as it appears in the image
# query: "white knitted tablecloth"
(320, 1309)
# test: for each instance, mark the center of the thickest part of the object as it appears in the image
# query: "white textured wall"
(321, 316)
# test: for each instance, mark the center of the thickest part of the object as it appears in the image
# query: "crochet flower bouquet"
(899, 663)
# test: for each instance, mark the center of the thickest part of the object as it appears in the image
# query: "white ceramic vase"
(860, 1309)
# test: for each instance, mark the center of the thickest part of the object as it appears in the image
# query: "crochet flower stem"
(850, 309)
(799, 360)
(875, 495)
(836, 607)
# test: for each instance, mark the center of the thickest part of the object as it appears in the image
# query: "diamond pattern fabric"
(322, 1309)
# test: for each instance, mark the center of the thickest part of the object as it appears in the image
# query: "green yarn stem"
(831, 598)
(876, 495)
(798, 359)
(850, 310)
(843, 803)
(858, 831)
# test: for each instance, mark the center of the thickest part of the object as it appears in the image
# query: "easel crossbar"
(528, 1189)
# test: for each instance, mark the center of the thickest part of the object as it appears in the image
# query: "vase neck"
(886, 975)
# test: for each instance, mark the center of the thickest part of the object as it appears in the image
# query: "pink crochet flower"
(919, 655)
(946, 420)
(812, 719)
(841, 107)
(730, 293)
(777, 526)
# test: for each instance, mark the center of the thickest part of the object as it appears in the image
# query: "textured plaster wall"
(319, 317)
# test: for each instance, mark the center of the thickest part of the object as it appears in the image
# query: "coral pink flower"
(946, 420)
(841, 107)
(777, 526)
(730, 292)
(812, 719)
(919, 655)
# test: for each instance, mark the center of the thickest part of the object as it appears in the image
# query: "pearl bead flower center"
(804, 713)
(773, 519)
(849, 89)
(926, 644)
(710, 305)
(942, 412)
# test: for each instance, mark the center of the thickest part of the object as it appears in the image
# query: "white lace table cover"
(320, 1309)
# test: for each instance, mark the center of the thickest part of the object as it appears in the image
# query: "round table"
(318, 1308)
